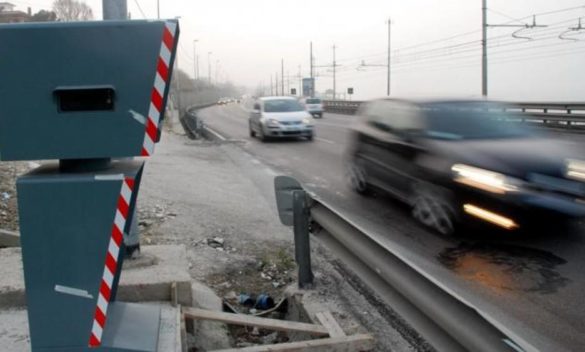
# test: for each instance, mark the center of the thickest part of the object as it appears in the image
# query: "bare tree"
(72, 10)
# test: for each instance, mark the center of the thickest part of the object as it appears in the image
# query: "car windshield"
(454, 122)
(282, 105)
(313, 101)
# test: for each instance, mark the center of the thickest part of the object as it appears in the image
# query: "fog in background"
(249, 38)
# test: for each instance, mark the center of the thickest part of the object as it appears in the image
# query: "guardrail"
(561, 115)
(445, 321)
(192, 125)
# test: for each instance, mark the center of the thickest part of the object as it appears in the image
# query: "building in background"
(8, 14)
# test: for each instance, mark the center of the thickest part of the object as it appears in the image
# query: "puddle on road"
(506, 267)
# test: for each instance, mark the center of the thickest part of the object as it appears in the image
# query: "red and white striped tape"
(111, 264)
(158, 90)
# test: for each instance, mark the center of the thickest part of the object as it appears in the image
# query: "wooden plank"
(247, 320)
(353, 343)
(329, 322)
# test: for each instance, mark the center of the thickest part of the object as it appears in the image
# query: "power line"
(140, 9)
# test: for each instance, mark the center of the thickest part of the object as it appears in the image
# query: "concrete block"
(14, 336)
(148, 279)
(9, 238)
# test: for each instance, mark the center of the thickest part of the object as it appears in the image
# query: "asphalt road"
(531, 286)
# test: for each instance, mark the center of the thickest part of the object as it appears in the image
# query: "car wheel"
(433, 210)
(310, 137)
(261, 135)
(357, 177)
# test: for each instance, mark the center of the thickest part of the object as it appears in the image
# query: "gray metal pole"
(158, 9)
(334, 76)
(282, 76)
(312, 92)
(195, 63)
(302, 241)
(484, 61)
(300, 82)
(389, 46)
(209, 67)
(271, 86)
(276, 80)
(216, 69)
(118, 10)
(114, 9)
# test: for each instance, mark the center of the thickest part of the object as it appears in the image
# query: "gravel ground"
(8, 203)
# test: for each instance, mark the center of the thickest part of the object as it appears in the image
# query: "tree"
(72, 10)
(44, 16)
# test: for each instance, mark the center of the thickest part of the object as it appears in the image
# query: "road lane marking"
(324, 140)
(216, 134)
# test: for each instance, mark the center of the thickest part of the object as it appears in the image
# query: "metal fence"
(546, 114)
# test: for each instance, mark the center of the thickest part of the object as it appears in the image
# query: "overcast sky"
(250, 37)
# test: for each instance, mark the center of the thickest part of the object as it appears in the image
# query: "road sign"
(293, 91)
(350, 90)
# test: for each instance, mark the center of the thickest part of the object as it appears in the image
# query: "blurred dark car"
(454, 161)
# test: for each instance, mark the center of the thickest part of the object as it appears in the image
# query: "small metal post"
(302, 242)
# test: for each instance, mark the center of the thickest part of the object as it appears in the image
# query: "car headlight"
(272, 123)
(486, 180)
(575, 169)
(308, 121)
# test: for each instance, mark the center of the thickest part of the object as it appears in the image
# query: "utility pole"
(114, 9)
(209, 66)
(484, 54)
(484, 63)
(389, 47)
(312, 92)
(287, 82)
(334, 77)
(271, 87)
(300, 77)
(195, 64)
(216, 69)
(282, 76)
(276, 76)
(158, 9)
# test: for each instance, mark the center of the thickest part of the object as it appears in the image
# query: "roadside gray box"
(82, 93)
(83, 89)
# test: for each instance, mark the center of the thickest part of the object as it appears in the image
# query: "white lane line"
(215, 133)
(324, 140)
(344, 126)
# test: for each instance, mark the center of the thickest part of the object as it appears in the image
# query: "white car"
(274, 117)
(314, 106)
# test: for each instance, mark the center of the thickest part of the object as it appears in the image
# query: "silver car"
(274, 117)
(314, 106)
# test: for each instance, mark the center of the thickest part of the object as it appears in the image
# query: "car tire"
(310, 137)
(357, 176)
(432, 208)
(261, 135)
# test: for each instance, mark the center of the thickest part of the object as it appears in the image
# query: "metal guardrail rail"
(444, 320)
(561, 115)
(192, 125)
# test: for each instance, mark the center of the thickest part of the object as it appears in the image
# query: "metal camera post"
(97, 94)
